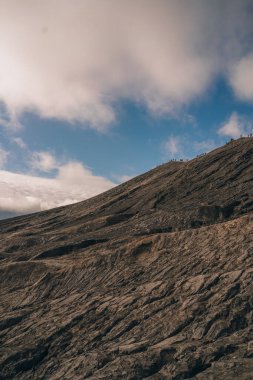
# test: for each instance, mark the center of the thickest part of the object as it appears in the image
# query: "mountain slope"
(152, 279)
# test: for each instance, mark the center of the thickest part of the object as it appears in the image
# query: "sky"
(95, 92)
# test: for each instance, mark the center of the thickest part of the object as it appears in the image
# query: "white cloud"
(3, 157)
(241, 78)
(19, 142)
(44, 161)
(74, 173)
(235, 126)
(74, 60)
(22, 193)
(173, 146)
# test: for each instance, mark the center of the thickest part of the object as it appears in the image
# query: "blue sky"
(104, 91)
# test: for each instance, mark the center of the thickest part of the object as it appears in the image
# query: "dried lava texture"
(152, 279)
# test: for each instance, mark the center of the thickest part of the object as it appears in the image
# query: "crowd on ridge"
(203, 154)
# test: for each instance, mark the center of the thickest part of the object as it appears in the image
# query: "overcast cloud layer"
(73, 60)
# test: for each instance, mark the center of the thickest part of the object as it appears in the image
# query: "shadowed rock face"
(152, 279)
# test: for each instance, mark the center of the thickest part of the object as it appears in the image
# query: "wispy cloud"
(172, 146)
(185, 147)
(77, 64)
(19, 142)
(44, 161)
(3, 157)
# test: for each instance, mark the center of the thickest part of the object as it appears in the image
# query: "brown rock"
(152, 279)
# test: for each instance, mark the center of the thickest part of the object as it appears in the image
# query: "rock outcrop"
(152, 279)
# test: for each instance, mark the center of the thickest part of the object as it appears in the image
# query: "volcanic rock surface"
(152, 279)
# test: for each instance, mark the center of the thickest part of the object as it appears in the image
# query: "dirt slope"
(152, 279)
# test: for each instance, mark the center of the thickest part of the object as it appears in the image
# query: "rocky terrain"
(152, 279)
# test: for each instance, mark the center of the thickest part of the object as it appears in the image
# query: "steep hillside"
(152, 279)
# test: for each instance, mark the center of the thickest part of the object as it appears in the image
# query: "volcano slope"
(152, 279)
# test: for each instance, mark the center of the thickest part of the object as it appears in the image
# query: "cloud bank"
(23, 193)
(74, 60)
